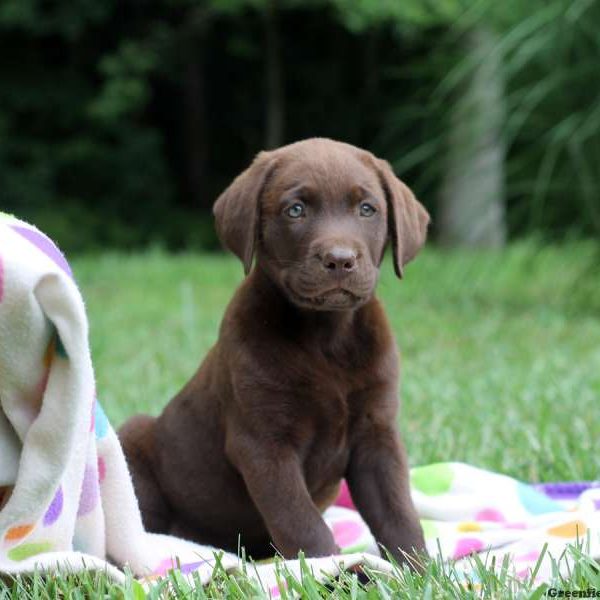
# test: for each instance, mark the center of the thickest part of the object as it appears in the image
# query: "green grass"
(500, 350)
(500, 368)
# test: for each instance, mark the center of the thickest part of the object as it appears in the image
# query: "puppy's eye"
(295, 211)
(367, 210)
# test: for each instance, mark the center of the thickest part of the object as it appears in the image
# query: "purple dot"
(46, 245)
(54, 509)
(193, 566)
(89, 491)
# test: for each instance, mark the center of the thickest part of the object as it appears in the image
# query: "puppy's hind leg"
(137, 439)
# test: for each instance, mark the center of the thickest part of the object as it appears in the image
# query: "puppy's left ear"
(407, 217)
(237, 209)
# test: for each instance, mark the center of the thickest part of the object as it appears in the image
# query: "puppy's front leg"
(379, 483)
(274, 479)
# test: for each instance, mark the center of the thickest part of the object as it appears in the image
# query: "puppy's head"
(318, 214)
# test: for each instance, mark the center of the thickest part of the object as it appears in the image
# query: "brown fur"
(300, 390)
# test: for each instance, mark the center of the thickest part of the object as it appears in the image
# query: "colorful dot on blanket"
(275, 591)
(344, 498)
(432, 479)
(186, 568)
(571, 529)
(55, 508)
(101, 423)
(516, 525)
(467, 546)
(470, 578)
(531, 556)
(89, 491)
(18, 532)
(101, 469)
(466, 526)
(164, 566)
(535, 502)
(168, 564)
(429, 528)
(27, 550)
(46, 245)
(490, 514)
(346, 533)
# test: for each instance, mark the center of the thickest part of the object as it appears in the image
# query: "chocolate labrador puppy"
(300, 390)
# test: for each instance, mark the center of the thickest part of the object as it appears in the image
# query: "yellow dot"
(569, 530)
(469, 526)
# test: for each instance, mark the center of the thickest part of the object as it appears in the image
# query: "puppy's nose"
(339, 260)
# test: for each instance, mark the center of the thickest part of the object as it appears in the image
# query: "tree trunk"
(274, 78)
(472, 199)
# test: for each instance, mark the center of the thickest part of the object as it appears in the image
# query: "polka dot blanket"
(466, 510)
(66, 497)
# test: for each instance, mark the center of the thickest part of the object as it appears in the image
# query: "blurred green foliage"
(120, 122)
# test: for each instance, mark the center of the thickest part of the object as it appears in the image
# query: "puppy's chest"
(324, 414)
(315, 389)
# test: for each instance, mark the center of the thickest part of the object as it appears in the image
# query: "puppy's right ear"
(237, 209)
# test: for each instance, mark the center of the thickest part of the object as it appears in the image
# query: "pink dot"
(165, 565)
(523, 574)
(101, 469)
(344, 498)
(530, 556)
(516, 525)
(275, 591)
(346, 533)
(467, 546)
(490, 514)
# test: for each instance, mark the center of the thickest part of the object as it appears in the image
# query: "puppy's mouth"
(337, 298)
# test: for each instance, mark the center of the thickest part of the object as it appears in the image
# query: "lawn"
(500, 351)
(500, 360)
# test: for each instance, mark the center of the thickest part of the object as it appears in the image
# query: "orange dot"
(18, 532)
(569, 530)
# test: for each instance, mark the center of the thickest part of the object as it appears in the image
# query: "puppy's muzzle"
(339, 261)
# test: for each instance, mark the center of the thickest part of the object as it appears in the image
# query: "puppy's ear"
(407, 217)
(237, 209)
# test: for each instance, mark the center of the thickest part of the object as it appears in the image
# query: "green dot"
(432, 479)
(429, 528)
(26, 550)
(360, 547)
